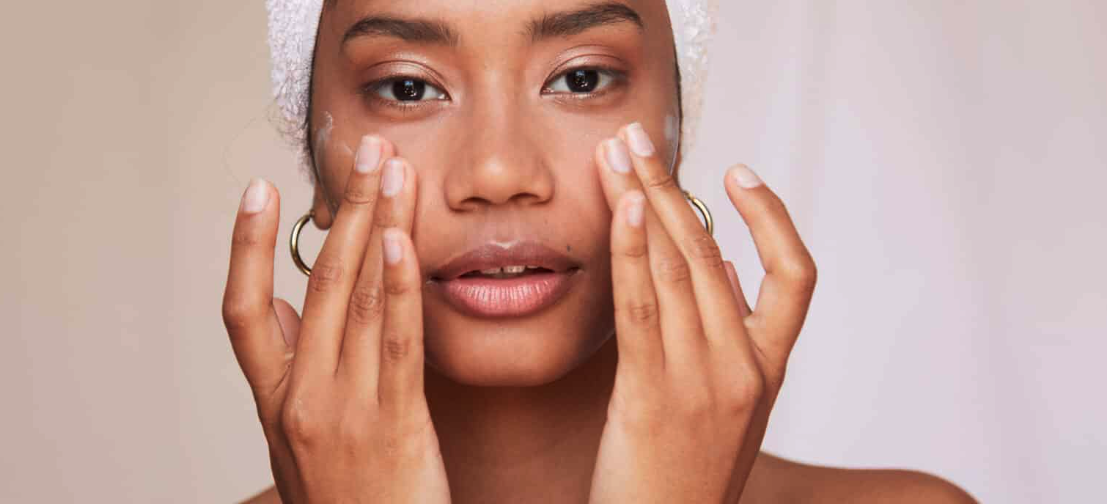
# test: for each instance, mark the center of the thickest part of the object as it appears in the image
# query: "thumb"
(289, 322)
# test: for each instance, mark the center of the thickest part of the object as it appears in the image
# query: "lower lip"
(507, 297)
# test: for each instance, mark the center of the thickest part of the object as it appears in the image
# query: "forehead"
(482, 19)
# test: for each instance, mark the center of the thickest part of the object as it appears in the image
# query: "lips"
(506, 281)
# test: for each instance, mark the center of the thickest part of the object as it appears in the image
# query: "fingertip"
(634, 206)
(638, 140)
(394, 177)
(744, 177)
(369, 154)
(256, 197)
(392, 241)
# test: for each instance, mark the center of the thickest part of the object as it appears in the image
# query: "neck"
(505, 443)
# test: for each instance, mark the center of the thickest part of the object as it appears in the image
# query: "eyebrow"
(560, 24)
(421, 31)
(569, 23)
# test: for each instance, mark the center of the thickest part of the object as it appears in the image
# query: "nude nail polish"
(393, 250)
(639, 141)
(256, 197)
(745, 177)
(393, 180)
(368, 154)
(617, 157)
(636, 208)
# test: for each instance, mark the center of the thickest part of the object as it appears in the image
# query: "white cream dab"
(672, 136)
(322, 138)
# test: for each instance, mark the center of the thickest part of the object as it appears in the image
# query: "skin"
(382, 392)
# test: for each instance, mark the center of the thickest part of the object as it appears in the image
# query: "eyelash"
(371, 89)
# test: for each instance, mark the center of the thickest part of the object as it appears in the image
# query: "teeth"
(507, 270)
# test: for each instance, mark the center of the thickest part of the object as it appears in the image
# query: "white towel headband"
(294, 24)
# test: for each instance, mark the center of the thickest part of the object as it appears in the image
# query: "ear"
(323, 216)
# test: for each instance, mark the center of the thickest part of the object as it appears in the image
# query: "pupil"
(409, 89)
(582, 81)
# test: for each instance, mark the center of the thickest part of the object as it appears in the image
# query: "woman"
(498, 182)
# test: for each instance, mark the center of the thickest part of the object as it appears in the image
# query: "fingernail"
(368, 154)
(745, 177)
(393, 180)
(617, 157)
(636, 208)
(640, 143)
(393, 250)
(256, 197)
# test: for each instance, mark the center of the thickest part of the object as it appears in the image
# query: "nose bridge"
(500, 159)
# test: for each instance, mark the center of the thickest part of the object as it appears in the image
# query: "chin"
(519, 351)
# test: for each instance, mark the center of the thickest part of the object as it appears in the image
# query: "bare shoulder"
(267, 496)
(775, 479)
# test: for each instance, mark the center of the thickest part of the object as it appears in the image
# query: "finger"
(289, 321)
(395, 208)
(736, 288)
(683, 344)
(401, 348)
(721, 320)
(336, 269)
(790, 274)
(248, 314)
(637, 317)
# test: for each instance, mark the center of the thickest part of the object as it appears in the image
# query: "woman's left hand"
(698, 371)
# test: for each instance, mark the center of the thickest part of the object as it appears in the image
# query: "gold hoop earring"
(294, 242)
(708, 222)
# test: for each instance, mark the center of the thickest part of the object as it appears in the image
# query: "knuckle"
(705, 249)
(673, 269)
(299, 425)
(366, 303)
(397, 288)
(800, 272)
(745, 392)
(642, 313)
(395, 347)
(359, 195)
(659, 182)
(636, 250)
(325, 275)
(247, 237)
(239, 313)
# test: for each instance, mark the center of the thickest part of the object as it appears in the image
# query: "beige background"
(944, 160)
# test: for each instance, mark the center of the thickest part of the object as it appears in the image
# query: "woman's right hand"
(340, 393)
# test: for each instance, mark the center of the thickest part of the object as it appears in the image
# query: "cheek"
(332, 153)
(672, 137)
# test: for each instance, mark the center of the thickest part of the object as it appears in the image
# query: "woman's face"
(499, 107)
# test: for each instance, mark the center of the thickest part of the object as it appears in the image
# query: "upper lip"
(493, 255)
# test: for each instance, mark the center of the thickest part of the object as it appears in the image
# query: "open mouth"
(506, 272)
(506, 281)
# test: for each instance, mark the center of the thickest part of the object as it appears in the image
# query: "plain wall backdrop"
(944, 161)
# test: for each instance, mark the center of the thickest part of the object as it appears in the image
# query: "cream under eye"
(581, 81)
(407, 89)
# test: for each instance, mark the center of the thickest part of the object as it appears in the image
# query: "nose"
(499, 160)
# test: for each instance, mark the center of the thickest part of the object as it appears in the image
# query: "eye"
(408, 89)
(581, 81)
